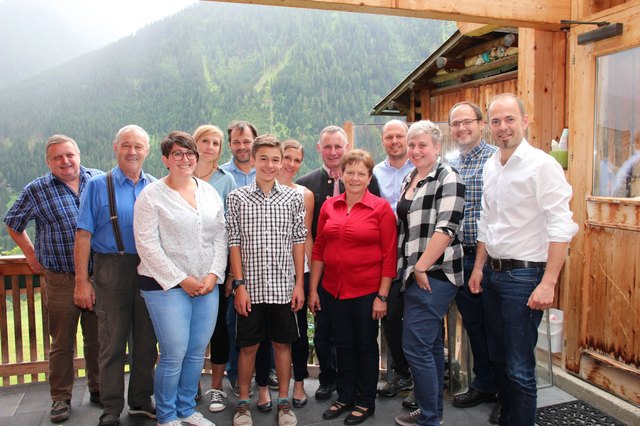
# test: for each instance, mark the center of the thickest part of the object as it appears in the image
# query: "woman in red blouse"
(355, 248)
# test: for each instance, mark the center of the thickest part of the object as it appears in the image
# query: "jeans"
(62, 318)
(183, 325)
(392, 326)
(355, 334)
(323, 341)
(470, 306)
(424, 346)
(122, 312)
(512, 334)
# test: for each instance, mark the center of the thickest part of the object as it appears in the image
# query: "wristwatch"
(235, 284)
(381, 297)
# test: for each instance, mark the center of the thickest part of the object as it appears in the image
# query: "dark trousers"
(470, 306)
(62, 318)
(219, 345)
(300, 348)
(121, 310)
(323, 342)
(392, 327)
(355, 334)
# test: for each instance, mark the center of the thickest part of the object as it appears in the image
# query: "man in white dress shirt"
(523, 235)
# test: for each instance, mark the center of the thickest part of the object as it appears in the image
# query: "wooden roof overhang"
(457, 47)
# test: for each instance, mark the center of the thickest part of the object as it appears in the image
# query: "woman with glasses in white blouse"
(181, 239)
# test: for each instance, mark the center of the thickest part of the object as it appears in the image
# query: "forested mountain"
(289, 71)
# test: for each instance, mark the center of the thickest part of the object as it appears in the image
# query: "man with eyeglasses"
(466, 126)
(52, 202)
(524, 232)
(115, 289)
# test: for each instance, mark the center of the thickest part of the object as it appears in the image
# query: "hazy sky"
(115, 18)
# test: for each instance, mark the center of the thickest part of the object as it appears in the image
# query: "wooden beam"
(475, 69)
(475, 30)
(541, 14)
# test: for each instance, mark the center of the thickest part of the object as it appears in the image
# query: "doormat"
(574, 413)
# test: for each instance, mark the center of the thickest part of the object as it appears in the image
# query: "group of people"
(232, 256)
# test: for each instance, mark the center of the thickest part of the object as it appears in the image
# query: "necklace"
(213, 167)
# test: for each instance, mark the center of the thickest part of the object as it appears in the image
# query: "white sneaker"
(242, 416)
(197, 419)
(218, 400)
(286, 416)
(171, 423)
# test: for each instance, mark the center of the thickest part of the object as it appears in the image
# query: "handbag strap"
(113, 213)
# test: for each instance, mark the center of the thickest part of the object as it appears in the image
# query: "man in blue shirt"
(241, 135)
(115, 292)
(466, 125)
(390, 172)
(52, 201)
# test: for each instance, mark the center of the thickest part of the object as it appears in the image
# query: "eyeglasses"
(179, 155)
(464, 123)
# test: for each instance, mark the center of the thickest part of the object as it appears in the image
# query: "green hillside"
(289, 71)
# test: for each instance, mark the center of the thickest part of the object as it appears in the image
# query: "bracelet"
(420, 272)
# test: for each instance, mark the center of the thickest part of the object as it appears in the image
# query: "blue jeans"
(512, 333)
(355, 334)
(470, 306)
(423, 344)
(183, 326)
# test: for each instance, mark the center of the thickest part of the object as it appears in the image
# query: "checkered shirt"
(266, 226)
(470, 167)
(437, 206)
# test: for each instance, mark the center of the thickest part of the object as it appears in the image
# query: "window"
(617, 125)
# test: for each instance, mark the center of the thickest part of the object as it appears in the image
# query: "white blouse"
(175, 240)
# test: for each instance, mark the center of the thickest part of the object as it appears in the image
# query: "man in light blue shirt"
(241, 135)
(114, 290)
(396, 166)
(390, 174)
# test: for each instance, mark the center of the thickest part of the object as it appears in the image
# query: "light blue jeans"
(183, 326)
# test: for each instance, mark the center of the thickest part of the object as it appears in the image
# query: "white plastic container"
(555, 328)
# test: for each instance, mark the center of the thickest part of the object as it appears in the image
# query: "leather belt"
(509, 264)
(469, 250)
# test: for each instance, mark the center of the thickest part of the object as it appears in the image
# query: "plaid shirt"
(470, 167)
(54, 207)
(266, 226)
(437, 206)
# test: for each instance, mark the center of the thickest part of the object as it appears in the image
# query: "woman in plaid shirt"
(430, 263)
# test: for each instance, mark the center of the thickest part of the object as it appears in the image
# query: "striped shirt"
(437, 206)
(54, 206)
(266, 226)
(470, 166)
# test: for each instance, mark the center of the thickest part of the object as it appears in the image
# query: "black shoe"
(299, 403)
(472, 397)
(325, 391)
(94, 398)
(338, 408)
(266, 407)
(494, 418)
(352, 419)
(109, 420)
(410, 402)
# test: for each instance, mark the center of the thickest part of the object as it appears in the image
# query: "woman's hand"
(208, 284)
(191, 286)
(422, 280)
(313, 302)
(228, 285)
(379, 309)
(297, 298)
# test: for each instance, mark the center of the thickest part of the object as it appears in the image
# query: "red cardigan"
(358, 248)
